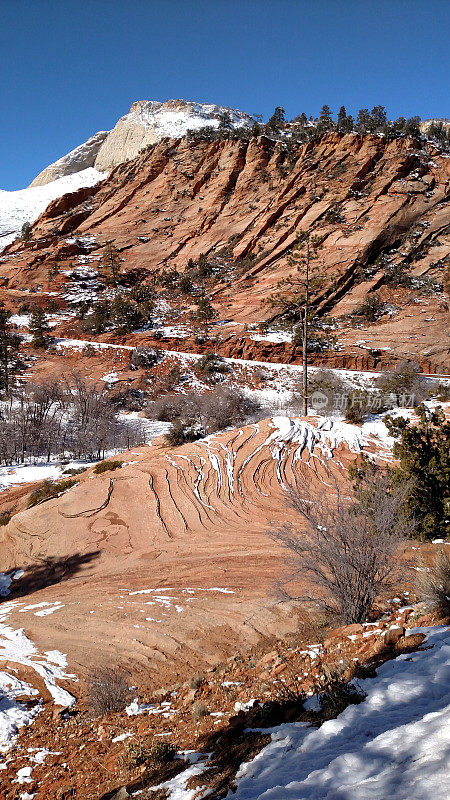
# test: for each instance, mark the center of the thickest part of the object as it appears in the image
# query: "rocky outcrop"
(425, 124)
(203, 514)
(146, 123)
(81, 158)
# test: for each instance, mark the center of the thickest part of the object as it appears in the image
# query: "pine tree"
(186, 284)
(344, 121)
(377, 120)
(277, 120)
(423, 453)
(412, 126)
(204, 312)
(305, 257)
(111, 265)
(325, 119)
(297, 306)
(99, 318)
(127, 315)
(26, 232)
(398, 126)
(39, 328)
(363, 121)
(446, 278)
(204, 268)
(9, 350)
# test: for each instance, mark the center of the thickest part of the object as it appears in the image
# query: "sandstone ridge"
(381, 208)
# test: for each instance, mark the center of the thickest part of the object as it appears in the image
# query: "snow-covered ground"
(76, 160)
(276, 337)
(40, 471)
(393, 746)
(23, 320)
(25, 205)
(18, 650)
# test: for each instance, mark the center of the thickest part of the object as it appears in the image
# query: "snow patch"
(26, 205)
(396, 744)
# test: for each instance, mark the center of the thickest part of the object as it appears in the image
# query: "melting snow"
(28, 473)
(175, 788)
(135, 708)
(45, 609)
(16, 648)
(396, 744)
(276, 337)
(25, 205)
(24, 775)
(122, 737)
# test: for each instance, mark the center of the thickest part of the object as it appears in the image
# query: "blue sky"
(70, 68)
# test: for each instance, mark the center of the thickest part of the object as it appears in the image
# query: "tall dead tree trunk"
(305, 335)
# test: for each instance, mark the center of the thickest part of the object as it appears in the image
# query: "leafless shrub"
(225, 407)
(212, 411)
(196, 681)
(6, 515)
(108, 690)
(138, 753)
(181, 432)
(326, 379)
(172, 407)
(347, 548)
(145, 357)
(334, 693)
(404, 380)
(434, 584)
(338, 695)
(211, 364)
(161, 752)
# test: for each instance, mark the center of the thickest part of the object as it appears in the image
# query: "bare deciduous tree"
(348, 549)
(212, 411)
(59, 419)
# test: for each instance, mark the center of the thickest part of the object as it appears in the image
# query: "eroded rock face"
(147, 122)
(377, 205)
(78, 159)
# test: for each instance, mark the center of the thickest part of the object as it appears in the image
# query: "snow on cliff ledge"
(175, 118)
(25, 205)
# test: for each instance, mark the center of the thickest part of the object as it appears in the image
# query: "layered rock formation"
(379, 207)
(146, 123)
(193, 519)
